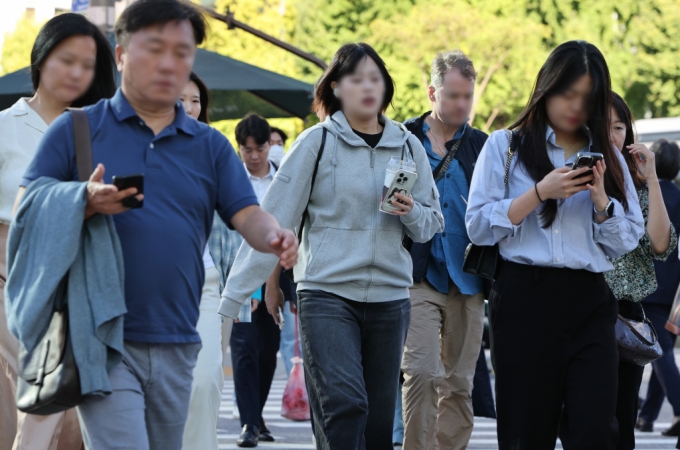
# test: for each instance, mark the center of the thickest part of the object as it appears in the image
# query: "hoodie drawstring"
(334, 162)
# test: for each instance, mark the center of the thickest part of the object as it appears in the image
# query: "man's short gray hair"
(446, 61)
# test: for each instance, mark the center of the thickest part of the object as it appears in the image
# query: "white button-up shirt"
(260, 185)
(21, 129)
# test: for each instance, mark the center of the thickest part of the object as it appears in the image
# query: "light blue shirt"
(574, 240)
(448, 248)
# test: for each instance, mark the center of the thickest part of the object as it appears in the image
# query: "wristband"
(537, 194)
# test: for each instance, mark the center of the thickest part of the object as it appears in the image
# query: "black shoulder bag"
(289, 272)
(48, 380)
(484, 260)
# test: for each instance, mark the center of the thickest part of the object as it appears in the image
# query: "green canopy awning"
(236, 89)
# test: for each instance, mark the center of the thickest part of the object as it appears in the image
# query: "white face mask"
(276, 154)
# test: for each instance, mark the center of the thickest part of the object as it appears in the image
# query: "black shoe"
(674, 430)
(266, 435)
(644, 426)
(249, 436)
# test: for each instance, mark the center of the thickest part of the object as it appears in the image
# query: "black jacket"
(466, 156)
(668, 272)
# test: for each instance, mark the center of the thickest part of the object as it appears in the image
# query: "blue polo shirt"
(448, 248)
(190, 171)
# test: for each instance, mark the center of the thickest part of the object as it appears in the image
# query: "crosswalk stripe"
(484, 435)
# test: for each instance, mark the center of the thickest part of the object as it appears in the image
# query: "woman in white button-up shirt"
(552, 314)
(71, 65)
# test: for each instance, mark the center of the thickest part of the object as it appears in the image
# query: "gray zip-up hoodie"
(348, 248)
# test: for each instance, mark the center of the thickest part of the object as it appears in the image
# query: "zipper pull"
(372, 158)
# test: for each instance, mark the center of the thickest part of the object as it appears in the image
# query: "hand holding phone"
(402, 184)
(282, 320)
(125, 182)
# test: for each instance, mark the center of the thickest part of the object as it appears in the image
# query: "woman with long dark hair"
(353, 275)
(552, 314)
(633, 277)
(71, 65)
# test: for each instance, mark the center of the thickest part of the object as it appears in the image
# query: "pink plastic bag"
(295, 404)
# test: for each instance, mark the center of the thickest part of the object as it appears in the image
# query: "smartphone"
(586, 159)
(282, 321)
(402, 184)
(136, 181)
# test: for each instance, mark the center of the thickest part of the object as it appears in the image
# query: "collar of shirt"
(550, 139)
(428, 144)
(122, 110)
(271, 174)
(33, 119)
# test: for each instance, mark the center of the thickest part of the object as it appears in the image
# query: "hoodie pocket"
(318, 250)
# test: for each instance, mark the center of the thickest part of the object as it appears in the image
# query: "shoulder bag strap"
(83, 143)
(316, 169)
(443, 166)
(511, 154)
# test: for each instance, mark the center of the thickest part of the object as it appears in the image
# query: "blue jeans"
(287, 347)
(398, 430)
(665, 380)
(352, 352)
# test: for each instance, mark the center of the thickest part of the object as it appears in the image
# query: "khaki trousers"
(20, 431)
(440, 355)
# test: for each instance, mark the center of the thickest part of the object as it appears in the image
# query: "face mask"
(276, 154)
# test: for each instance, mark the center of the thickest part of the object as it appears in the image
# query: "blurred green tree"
(505, 69)
(16, 49)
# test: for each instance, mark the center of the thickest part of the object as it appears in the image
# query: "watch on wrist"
(608, 210)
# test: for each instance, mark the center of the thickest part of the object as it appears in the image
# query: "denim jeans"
(352, 352)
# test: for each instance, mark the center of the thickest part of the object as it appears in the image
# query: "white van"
(650, 130)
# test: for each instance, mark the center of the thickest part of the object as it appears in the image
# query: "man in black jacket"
(447, 315)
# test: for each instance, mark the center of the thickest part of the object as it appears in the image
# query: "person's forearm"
(17, 201)
(522, 206)
(658, 223)
(273, 279)
(256, 229)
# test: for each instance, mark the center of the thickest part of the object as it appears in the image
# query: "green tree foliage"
(274, 17)
(505, 69)
(16, 49)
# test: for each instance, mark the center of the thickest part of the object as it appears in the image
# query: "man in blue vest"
(447, 315)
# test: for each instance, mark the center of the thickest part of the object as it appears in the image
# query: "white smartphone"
(402, 184)
(282, 320)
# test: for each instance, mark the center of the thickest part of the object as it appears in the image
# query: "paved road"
(298, 435)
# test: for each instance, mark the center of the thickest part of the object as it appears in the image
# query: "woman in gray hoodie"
(353, 274)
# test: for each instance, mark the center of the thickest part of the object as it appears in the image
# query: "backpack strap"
(316, 169)
(83, 143)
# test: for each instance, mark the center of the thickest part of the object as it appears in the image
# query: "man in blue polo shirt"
(190, 171)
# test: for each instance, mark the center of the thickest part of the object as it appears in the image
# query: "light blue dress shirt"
(574, 240)
(448, 248)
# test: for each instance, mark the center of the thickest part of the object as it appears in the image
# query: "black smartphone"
(586, 159)
(136, 181)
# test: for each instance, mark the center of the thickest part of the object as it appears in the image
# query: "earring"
(335, 92)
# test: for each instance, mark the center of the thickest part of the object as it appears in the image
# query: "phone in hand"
(586, 159)
(403, 183)
(125, 182)
(282, 320)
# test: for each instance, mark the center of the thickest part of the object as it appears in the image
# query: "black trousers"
(630, 379)
(665, 380)
(253, 357)
(554, 352)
